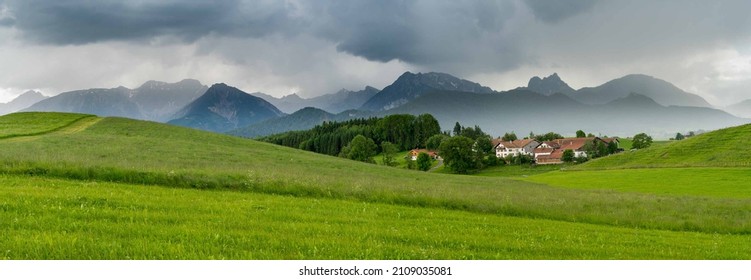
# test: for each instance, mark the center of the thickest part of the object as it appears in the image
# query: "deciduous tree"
(361, 148)
(389, 153)
(641, 141)
(568, 155)
(458, 155)
(424, 161)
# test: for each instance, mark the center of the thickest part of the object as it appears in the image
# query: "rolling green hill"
(730, 147)
(120, 188)
(714, 164)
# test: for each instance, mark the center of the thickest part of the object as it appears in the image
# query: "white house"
(515, 148)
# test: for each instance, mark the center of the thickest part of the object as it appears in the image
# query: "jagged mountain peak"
(549, 85)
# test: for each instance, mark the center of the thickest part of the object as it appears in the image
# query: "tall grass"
(42, 218)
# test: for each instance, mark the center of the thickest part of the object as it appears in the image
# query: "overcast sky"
(318, 47)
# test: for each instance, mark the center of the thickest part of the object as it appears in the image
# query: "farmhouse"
(415, 152)
(515, 148)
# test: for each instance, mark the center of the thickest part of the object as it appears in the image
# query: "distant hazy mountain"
(156, 101)
(223, 108)
(305, 118)
(741, 109)
(287, 104)
(343, 100)
(523, 111)
(22, 101)
(102, 102)
(660, 91)
(410, 86)
(159, 101)
(549, 85)
(336, 102)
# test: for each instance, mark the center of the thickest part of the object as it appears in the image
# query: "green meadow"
(113, 188)
(29, 124)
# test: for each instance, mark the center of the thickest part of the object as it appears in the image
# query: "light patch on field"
(714, 182)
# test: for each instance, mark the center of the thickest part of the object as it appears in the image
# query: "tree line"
(403, 131)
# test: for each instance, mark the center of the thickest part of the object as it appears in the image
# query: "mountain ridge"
(153, 100)
(410, 86)
(741, 109)
(659, 90)
(340, 101)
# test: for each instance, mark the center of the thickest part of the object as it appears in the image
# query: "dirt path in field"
(76, 126)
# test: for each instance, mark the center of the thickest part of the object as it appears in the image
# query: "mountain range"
(546, 104)
(155, 101)
(622, 107)
(524, 111)
(660, 91)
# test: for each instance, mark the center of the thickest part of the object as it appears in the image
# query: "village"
(545, 152)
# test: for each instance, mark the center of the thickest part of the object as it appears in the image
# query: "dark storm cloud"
(379, 31)
(553, 11)
(427, 33)
(82, 22)
(433, 34)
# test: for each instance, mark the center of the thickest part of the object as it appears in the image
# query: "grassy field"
(710, 182)
(101, 153)
(519, 170)
(63, 219)
(722, 148)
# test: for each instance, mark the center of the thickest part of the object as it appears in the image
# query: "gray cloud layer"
(418, 32)
(591, 41)
(82, 22)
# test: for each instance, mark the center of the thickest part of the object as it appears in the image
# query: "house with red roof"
(415, 152)
(551, 152)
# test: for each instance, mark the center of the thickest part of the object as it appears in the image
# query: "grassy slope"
(729, 147)
(62, 219)
(32, 123)
(129, 151)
